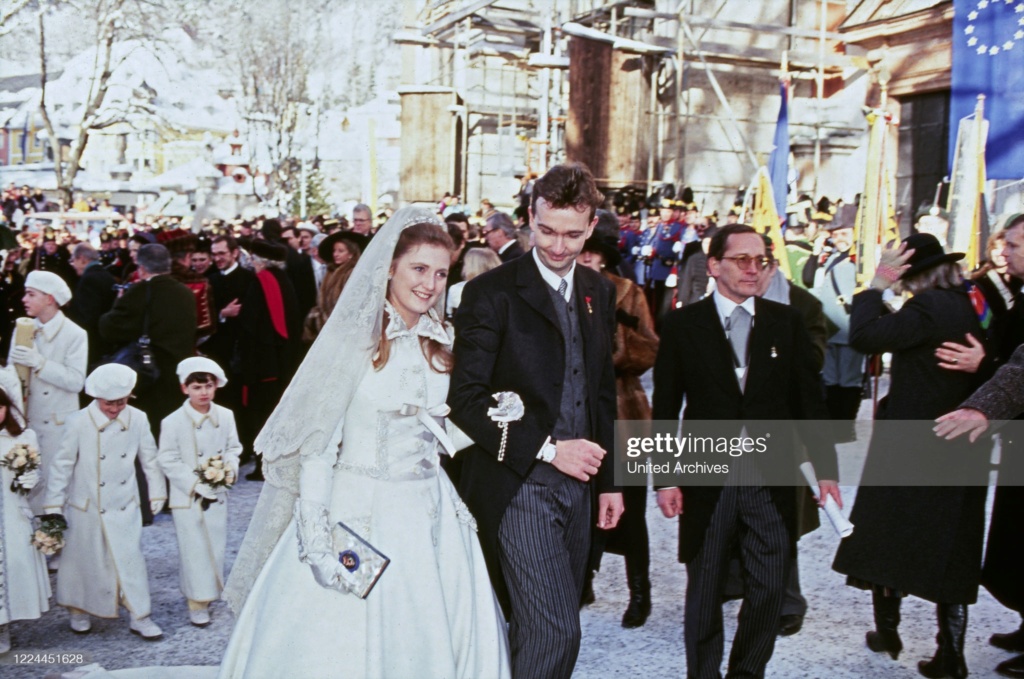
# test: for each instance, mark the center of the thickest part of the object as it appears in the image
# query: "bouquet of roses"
(23, 460)
(48, 537)
(213, 472)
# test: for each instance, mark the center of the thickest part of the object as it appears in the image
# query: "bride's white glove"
(315, 548)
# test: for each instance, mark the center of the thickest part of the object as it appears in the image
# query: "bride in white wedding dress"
(356, 439)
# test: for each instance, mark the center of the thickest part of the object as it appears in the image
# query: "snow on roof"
(155, 76)
(184, 177)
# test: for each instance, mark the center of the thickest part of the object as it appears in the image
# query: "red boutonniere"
(590, 309)
(853, 258)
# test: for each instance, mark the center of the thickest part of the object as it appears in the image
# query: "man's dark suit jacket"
(695, 360)
(514, 251)
(172, 333)
(223, 345)
(299, 268)
(94, 296)
(507, 338)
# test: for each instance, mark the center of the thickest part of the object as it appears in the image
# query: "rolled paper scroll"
(840, 523)
(24, 336)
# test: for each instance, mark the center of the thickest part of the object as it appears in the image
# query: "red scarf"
(275, 303)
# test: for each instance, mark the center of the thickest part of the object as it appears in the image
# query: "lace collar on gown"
(429, 326)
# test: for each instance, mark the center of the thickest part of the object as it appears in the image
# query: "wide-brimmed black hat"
(326, 247)
(605, 248)
(273, 252)
(928, 253)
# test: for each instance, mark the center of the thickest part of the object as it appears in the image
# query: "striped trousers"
(745, 515)
(544, 544)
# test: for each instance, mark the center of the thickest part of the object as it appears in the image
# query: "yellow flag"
(765, 219)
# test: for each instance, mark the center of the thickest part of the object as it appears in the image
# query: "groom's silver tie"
(562, 287)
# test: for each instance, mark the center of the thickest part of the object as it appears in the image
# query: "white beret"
(110, 382)
(201, 364)
(51, 284)
(309, 226)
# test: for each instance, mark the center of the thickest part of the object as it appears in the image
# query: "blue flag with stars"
(988, 59)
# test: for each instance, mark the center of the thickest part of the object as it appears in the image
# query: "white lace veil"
(310, 418)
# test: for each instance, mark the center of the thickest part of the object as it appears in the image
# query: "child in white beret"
(199, 451)
(92, 484)
(56, 361)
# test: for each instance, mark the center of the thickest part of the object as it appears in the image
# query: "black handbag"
(138, 355)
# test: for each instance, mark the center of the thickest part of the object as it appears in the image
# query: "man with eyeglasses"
(362, 220)
(500, 235)
(739, 358)
(834, 274)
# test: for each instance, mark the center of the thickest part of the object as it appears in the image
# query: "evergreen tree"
(318, 198)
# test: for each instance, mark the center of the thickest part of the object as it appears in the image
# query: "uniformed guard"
(660, 249)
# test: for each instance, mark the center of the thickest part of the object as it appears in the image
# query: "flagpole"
(975, 249)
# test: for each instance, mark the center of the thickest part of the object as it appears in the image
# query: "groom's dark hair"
(568, 186)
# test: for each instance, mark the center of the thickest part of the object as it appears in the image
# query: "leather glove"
(156, 506)
(315, 549)
(28, 480)
(27, 356)
(205, 491)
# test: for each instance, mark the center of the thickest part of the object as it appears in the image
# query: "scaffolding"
(507, 60)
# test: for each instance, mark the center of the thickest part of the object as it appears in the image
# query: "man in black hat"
(834, 277)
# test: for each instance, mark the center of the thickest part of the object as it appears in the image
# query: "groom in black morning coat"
(543, 328)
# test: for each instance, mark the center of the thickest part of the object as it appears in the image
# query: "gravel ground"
(831, 644)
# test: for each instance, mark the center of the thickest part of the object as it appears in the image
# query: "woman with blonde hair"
(475, 262)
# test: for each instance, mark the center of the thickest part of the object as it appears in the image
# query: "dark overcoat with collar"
(695, 361)
(508, 338)
(920, 539)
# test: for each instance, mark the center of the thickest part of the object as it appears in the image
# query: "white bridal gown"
(433, 612)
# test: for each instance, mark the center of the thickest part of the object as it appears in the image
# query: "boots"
(587, 597)
(948, 661)
(639, 602)
(884, 638)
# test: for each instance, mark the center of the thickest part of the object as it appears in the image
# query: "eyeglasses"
(484, 234)
(748, 262)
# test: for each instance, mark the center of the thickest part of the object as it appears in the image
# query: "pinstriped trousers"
(544, 542)
(745, 514)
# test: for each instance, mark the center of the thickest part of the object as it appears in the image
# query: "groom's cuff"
(547, 451)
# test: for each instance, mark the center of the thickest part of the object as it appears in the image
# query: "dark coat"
(918, 539)
(223, 346)
(813, 313)
(695, 361)
(303, 281)
(94, 296)
(508, 338)
(264, 354)
(172, 333)
(514, 251)
(1000, 398)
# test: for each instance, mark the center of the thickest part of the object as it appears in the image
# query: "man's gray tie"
(562, 287)
(737, 327)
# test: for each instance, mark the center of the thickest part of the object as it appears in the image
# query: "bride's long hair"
(438, 355)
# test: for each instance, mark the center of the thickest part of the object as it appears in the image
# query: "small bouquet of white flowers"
(22, 459)
(214, 473)
(48, 536)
